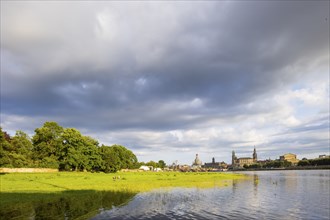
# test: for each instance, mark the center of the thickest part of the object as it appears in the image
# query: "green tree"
(110, 159)
(117, 157)
(47, 144)
(79, 152)
(127, 159)
(5, 149)
(72, 155)
(304, 163)
(66, 149)
(22, 143)
(22, 153)
(161, 164)
(152, 163)
(91, 151)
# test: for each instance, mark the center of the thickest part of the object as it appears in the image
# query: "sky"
(169, 79)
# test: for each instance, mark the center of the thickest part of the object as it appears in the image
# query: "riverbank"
(322, 167)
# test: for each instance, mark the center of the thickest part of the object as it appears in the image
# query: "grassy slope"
(129, 181)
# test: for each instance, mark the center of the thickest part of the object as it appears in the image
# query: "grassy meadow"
(128, 182)
(53, 194)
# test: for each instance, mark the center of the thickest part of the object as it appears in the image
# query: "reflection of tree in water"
(290, 181)
(255, 180)
(255, 183)
(66, 205)
(235, 181)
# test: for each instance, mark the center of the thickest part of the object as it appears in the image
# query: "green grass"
(129, 181)
(80, 195)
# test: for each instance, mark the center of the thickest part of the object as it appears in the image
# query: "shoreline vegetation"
(65, 149)
(321, 167)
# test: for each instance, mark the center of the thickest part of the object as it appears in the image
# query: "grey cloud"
(318, 124)
(129, 65)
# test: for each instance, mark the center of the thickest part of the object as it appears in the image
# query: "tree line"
(269, 164)
(159, 164)
(66, 149)
(314, 162)
(285, 164)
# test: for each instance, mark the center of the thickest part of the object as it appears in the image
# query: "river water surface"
(302, 194)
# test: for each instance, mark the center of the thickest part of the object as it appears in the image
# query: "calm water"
(268, 195)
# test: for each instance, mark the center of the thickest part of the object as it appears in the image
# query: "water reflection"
(255, 183)
(67, 205)
(266, 195)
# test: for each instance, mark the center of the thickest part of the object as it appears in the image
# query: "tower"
(255, 158)
(213, 160)
(233, 158)
(197, 162)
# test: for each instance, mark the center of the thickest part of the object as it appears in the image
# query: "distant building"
(215, 165)
(263, 162)
(324, 156)
(245, 161)
(290, 158)
(197, 163)
(145, 168)
(240, 162)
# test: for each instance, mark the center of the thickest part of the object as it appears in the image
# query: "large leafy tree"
(22, 154)
(72, 156)
(117, 157)
(67, 149)
(22, 143)
(91, 151)
(127, 159)
(78, 152)
(110, 159)
(47, 144)
(5, 149)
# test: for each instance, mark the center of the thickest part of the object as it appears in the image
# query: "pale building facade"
(197, 163)
(290, 158)
(215, 165)
(240, 162)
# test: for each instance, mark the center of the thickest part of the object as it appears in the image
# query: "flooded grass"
(122, 181)
(78, 204)
(73, 194)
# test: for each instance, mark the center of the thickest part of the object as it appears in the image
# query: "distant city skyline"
(170, 80)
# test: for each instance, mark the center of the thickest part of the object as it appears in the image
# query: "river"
(294, 194)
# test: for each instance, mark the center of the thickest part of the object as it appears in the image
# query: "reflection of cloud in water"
(177, 202)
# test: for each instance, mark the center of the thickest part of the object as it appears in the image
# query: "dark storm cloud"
(156, 66)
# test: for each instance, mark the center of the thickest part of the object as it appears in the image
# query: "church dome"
(197, 161)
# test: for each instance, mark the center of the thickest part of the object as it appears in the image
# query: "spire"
(233, 158)
(255, 158)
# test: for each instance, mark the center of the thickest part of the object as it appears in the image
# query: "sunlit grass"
(133, 182)
(129, 181)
